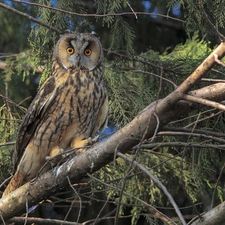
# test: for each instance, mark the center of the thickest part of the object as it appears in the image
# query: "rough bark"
(214, 217)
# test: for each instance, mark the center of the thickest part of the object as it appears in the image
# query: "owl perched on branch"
(70, 107)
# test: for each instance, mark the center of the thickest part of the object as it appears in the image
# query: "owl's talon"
(48, 158)
(95, 139)
(55, 155)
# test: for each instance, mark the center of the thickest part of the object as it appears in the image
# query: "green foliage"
(196, 20)
(122, 35)
(8, 131)
(183, 165)
(108, 7)
(13, 38)
(141, 186)
(133, 83)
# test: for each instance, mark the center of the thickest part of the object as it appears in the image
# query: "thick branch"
(213, 217)
(143, 126)
(98, 155)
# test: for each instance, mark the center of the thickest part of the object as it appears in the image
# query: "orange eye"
(87, 51)
(70, 50)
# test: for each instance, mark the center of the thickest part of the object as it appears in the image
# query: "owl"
(70, 107)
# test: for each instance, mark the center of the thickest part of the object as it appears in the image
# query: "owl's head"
(78, 50)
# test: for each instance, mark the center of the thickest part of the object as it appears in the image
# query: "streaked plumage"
(70, 107)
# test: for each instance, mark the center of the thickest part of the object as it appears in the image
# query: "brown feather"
(68, 110)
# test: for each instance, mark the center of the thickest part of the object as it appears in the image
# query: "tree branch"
(32, 220)
(205, 102)
(30, 18)
(143, 126)
(222, 38)
(94, 158)
(158, 183)
(97, 15)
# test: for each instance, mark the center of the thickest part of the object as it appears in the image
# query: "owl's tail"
(16, 182)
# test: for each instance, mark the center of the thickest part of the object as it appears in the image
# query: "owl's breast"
(73, 113)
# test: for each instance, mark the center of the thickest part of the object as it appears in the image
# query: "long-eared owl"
(70, 107)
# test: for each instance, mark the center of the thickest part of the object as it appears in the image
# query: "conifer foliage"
(150, 48)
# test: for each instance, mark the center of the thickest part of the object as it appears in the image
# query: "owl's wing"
(102, 118)
(33, 117)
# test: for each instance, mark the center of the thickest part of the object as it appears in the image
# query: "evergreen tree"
(149, 52)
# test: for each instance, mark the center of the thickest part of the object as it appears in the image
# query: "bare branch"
(97, 15)
(158, 183)
(182, 144)
(156, 75)
(32, 220)
(204, 102)
(143, 126)
(7, 143)
(153, 210)
(80, 202)
(203, 132)
(222, 38)
(135, 14)
(217, 183)
(218, 61)
(29, 18)
(190, 134)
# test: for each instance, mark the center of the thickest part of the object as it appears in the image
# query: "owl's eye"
(70, 50)
(87, 51)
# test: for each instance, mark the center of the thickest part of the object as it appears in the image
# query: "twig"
(204, 132)
(27, 208)
(7, 143)
(135, 14)
(156, 213)
(30, 18)
(204, 102)
(213, 80)
(97, 15)
(158, 183)
(222, 38)
(33, 220)
(110, 218)
(155, 75)
(182, 144)
(218, 61)
(8, 55)
(96, 220)
(80, 202)
(5, 181)
(2, 218)
(204, 119)
(193, 134)
(217, 183)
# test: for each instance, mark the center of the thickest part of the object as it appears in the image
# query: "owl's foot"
(82, 143)
(55, 155)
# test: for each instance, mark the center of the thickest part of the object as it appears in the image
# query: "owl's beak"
(75, 60)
